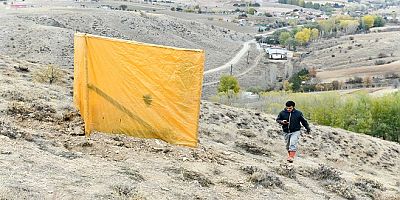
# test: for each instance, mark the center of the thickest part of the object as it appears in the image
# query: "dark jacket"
(294, 122)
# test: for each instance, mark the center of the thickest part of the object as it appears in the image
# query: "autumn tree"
(368, 21)
(303, 36)
(302, 3)
(348, 26)
(327, 26)
(313, 72)
(314, 34)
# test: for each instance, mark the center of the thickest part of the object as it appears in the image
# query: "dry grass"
(366, 71)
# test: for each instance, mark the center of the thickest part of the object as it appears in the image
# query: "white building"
(277, 53)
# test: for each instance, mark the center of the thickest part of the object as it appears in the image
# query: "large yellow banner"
(138, 89)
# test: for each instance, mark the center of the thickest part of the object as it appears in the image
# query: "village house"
(276, 53)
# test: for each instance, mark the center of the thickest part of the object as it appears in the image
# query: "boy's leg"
(287, 140)
(294, 139)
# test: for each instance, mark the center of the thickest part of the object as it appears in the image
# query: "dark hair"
(290, 103)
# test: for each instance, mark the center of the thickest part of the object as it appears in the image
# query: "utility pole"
(248, 52)
(231, 68)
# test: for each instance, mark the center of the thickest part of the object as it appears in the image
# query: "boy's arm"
(304, 122)
(279, 118)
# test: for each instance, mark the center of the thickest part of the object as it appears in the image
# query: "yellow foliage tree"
(302, 3)
(287, 86)
(327, 26)
(348, 26)
(303, 36)
(368, 20)
(314, 34)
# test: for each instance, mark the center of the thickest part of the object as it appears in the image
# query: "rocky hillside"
(241, 154)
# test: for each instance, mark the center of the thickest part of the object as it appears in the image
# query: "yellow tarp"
(138, 89)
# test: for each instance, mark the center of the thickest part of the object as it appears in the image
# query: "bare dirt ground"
(363, 50)
(241, 154)
(47, 33)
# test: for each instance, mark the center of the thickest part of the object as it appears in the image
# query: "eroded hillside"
(241, 154)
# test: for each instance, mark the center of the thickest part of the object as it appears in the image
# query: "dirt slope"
(46, 34)
(240, 156)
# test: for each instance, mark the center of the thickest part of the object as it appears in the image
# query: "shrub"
(324, 172)
(368, 185)
(123, 7)
(357, 112)
(262, 177)
(286, 170)
(380, 62)
(382, 55)
(51, 74)
(254, 90)
(228, 83)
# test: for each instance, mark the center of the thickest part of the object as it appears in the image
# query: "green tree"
(277, 34)
(296, 79)
(316, 6)
(291, 43)
(379, 21)
(283, 38)
(228, 83)
(308, 4)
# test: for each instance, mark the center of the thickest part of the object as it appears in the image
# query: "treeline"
(327, 7)
(334, 26)
(359, 112)
(346, 24)
(291, 39)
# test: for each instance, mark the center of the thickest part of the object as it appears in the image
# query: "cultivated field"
(367, 71)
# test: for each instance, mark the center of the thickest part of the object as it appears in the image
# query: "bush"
(228, 83)
(123, 7)
(380, 62)
(357, 112)
(254, 90)
(382, 55)
(324, 172)
(367, 185)
(262, 177)
(51, 74)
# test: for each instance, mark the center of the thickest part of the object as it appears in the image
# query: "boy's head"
(290, 104)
